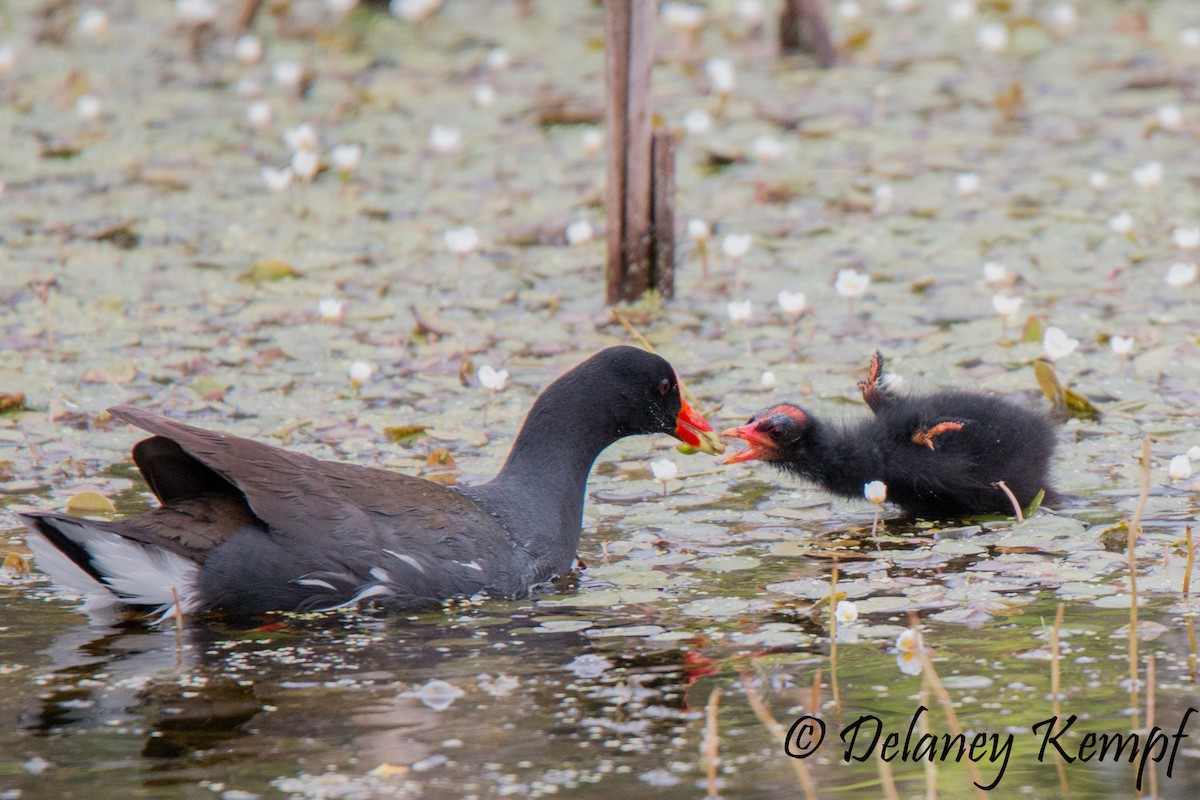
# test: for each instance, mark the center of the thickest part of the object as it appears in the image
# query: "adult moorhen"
(248, 527)
(941, 455)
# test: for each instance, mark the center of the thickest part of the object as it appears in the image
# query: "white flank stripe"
(412, 562)
(368, 591)
(316, 582)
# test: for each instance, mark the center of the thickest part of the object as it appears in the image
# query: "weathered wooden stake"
(662, 275)
(802, 27)
(631, 201)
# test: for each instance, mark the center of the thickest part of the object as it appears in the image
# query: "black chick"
(941, 455)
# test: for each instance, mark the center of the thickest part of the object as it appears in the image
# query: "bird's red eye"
(664, 386)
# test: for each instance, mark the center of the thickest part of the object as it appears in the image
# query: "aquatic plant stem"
(833, 679)
(1150, 708)
(1191, 560)
(943, 698)
(772, 725)
(1187, 587)
(712, 742)
(1012, 498)
(1135, 530)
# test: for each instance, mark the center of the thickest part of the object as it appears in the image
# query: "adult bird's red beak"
(757, 446)
(688, 426)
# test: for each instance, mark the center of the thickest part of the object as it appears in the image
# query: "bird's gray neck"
(539, 493)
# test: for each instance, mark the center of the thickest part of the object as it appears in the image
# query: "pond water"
(146, 261)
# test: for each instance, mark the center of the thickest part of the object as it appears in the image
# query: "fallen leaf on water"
(269, 269)
(90, 503)
(403, 433)
(12, 402)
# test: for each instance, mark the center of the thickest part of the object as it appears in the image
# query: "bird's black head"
(773, 434)
(628, 391)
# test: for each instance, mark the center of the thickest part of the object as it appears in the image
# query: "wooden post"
(663, 223)
(629, 204)
(802, 26)
(246, 13)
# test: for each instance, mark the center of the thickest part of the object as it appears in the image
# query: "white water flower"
(992, 38)
(664, 469)
(277, 179)
(360, 373)
(851, 282)
(961, 11)
(1193, 453)
(968, 183)
(196, 12)
(875, 491)
(767, 381)
(683, 17)
(697, 121)
(8, 59)
(846, 612)
(1181, 274)
(330, 309)
(1149, 176)
(1006, 306)
(461, 241)
(301, 137)
(346, 157)
(493, 379)
(994, 272)
(1057, 344)
(767, 149)
(1186, 238)
(885, 198)
(1190, 38)
(721, 75)
(736, 245)
(1064, 18)
(739, 310)
(498, 59)
(258, 114)
(485, 95)
(93, 23)
(89, 107)
(248, 49)
(1179, 468)
(593, 141)
(444, 139)
(437, 695)
(1098, 181)
(909, 649)
(850, 10)
(414, 10)
(306, 164)
(579, 232)
(287, 74)
(1170, 117)
(1121, 345)
(1121, 223)
(792, 303)
(698, 229)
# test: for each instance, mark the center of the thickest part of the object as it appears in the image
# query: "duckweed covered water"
(128, 275)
